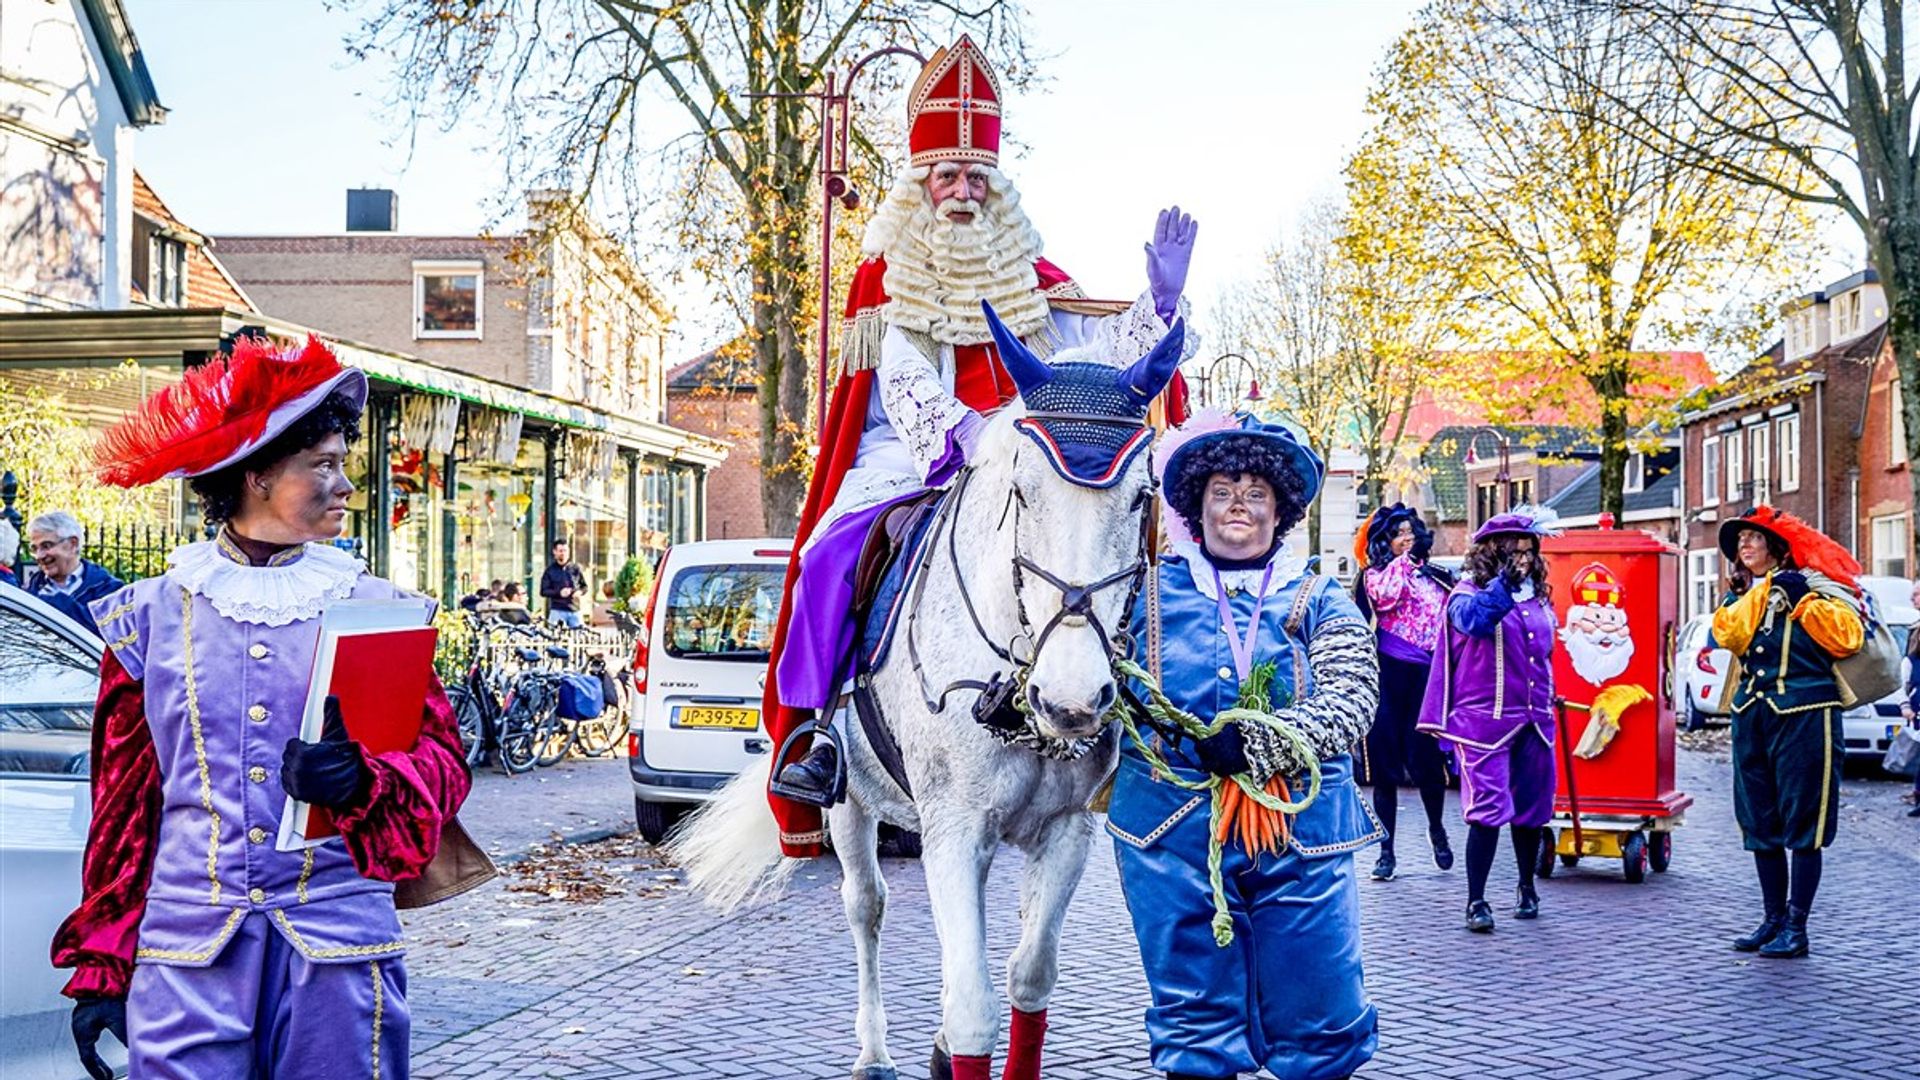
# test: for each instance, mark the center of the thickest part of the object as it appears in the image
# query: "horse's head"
(1080, 490)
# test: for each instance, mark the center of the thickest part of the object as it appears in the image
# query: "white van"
(1869, 726)
(698, 674)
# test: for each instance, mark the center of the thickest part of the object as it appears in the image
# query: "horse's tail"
(730, 848)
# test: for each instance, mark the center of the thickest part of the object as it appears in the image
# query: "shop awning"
(91, 338)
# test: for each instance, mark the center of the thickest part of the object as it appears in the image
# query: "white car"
(698, 674)
(49, 678)
(1699, 671)
(1868, 728)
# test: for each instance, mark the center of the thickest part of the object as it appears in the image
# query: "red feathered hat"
(953, 113)
(222, 411)
(1811, 549)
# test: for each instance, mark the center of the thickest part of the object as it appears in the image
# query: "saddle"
(891, 534)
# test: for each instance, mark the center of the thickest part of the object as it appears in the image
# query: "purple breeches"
(820, 631)
(1509, 785)
(264, 1010)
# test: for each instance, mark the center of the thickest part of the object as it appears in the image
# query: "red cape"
(983, 384)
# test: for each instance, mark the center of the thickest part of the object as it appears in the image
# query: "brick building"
(718, 395)
(1813, 427)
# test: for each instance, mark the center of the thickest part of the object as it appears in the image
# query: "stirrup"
(788, 754)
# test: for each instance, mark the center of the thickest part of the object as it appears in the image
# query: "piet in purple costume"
(1491, 692)
(210, 952)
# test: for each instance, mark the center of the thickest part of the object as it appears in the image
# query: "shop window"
(447, 299)
(1710, 471)
(1892, 538)
(1787, 437)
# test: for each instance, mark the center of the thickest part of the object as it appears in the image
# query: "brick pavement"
(1615, 981)
(579, 798)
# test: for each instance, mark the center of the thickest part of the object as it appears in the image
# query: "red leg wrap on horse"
(973, 1067)
(1024, 1038)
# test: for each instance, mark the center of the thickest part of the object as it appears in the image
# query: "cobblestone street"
(605, 966)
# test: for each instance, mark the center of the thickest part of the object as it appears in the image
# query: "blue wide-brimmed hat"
(1252, 431)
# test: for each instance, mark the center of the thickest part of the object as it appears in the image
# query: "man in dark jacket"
(565, 588)
(63, 579)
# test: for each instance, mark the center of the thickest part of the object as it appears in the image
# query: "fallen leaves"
(559, 872)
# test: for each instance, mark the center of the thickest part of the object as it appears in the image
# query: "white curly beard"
(939, 270)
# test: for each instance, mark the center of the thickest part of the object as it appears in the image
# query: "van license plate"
(707, 716)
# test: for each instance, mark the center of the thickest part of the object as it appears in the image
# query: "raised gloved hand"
(1794, 584)
(91, 1016)
(1169, 254)
(329, 773)
(1223, 753)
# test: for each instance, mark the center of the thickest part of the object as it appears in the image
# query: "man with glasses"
(60, 576)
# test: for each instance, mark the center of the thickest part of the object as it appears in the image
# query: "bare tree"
(686, 121)
(1585, 241)
(1286, 320)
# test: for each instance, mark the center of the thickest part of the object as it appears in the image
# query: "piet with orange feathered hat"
(1810, 548)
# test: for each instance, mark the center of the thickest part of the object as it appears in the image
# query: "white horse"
(1030, 567)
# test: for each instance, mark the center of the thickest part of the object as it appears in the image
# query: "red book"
(380, 676)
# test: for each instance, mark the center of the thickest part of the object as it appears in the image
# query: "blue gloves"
(1223, 753)
(328, 773)
(1168, 255)
(91, 1017)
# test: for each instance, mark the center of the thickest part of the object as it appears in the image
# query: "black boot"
(1527, 903)
(812, 779)
(1384, 867)
(1442, 849)
(1791, 941)
(1480, 916)
(1765, 932)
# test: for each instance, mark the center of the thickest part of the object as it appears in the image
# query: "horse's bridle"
(1077, 600)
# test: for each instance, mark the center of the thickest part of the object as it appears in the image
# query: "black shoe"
(1442, 850)
(1915, 812)
(1527, 905)
(1791, 941)
(811, 780)
(1383, 868)
(1761, 934)
(1480, 916)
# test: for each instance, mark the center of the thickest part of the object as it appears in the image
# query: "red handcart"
(1616, 593)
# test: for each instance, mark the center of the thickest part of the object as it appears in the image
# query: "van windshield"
(723, 612)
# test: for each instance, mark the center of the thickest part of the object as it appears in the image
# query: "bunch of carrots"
(1259, 830)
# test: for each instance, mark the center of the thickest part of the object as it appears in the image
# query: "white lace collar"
(274, 595)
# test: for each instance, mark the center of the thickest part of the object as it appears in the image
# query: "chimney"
(372, 210)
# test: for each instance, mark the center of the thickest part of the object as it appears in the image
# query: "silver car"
(49, 678)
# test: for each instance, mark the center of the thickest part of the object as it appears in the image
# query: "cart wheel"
(1543, 862)
(1660, 851)
(1633, 853)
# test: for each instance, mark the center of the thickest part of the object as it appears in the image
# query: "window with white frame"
(1759, 461)
(1703, 582)
(1635, 479)
(1730, 449)
(1710, 471)
(1786, 432)
(1896, 425)
(447, 299)
(1892, 539)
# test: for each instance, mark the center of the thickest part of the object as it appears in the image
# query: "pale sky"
(1239, 111)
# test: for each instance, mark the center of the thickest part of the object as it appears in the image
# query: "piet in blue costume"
(1286, 994)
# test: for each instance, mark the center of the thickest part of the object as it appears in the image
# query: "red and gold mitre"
(1596, 584)
(953, 112)
(222, 411)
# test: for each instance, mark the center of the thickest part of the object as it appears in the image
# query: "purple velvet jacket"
(1493, 672)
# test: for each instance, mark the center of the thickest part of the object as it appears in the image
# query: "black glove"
(328, 773)
(91, 1016)
(1794, 584)
(1223, 753)
(996, 708)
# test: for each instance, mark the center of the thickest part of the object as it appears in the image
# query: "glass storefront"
(502, 518)
(593, 521)
(417, 486)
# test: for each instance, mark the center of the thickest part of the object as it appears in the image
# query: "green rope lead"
(1168, 715)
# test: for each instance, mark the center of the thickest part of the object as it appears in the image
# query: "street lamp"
(1502, 478)
(1223, 381)
(836, 133)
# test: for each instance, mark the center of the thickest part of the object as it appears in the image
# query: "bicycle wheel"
(554, 735)
(519, 731)
(598, 737)
(466, 711)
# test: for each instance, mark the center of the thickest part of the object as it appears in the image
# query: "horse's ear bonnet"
(1089, 418)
